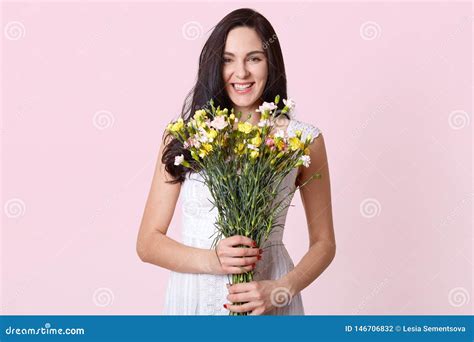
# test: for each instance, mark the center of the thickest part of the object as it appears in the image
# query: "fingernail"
(260, 251)
(225, 306)
(259, 257)
(253, 265)
(255, 244)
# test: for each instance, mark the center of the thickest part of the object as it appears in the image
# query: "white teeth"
(242, 86)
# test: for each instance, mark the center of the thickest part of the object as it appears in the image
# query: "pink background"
(88, 89)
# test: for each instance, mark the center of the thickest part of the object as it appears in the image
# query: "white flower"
(219, 122)
(306, 160)
(178, 160)
(202, 137)
(289, 103)
(280, 134)
(252, 147)
(263, 123)
(266, 106)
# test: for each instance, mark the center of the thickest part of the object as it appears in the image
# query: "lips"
(243, 88)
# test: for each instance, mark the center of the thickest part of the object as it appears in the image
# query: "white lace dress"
(205, 294)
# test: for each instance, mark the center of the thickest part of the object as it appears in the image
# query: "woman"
(240, 66)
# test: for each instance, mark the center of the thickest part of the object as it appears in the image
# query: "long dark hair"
(210, 83)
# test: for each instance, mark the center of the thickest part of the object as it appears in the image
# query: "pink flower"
(269, 142)
(191, 142)
(219, 122)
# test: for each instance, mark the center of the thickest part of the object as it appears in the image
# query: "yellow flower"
(280, 144)
(199, 115)
(212, 134)
(178, 125)
(254, 154)
(221, 112)
(207, 147)
(245, 127)
(296, 144)
(257, 141)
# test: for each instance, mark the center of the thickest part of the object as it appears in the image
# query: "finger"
(242, 297)
(241, 287)
(260, 310)
(241, 308)
(238, 251)
(239, 262)
(245, 261)
(242, 240)
(240, 269)
(244, 251)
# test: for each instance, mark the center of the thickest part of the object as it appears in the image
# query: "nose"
(241, 70)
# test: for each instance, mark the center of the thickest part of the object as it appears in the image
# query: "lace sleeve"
(305, 128)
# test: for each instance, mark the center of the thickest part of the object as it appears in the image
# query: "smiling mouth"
(242, 87)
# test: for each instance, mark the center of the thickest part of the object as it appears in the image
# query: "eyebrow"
(248, 54)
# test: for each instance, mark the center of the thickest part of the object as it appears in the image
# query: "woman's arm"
(153, 246)
(316, 198)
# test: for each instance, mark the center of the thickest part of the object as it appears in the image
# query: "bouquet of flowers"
(243, 166)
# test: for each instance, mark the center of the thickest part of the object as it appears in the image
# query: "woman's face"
(245, 68)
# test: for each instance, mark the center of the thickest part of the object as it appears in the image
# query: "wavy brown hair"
(210, 84)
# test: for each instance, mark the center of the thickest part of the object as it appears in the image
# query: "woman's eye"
(227, 60)
(255, 59)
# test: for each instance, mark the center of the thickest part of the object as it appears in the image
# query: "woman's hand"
(258, 297)
(233, 258)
